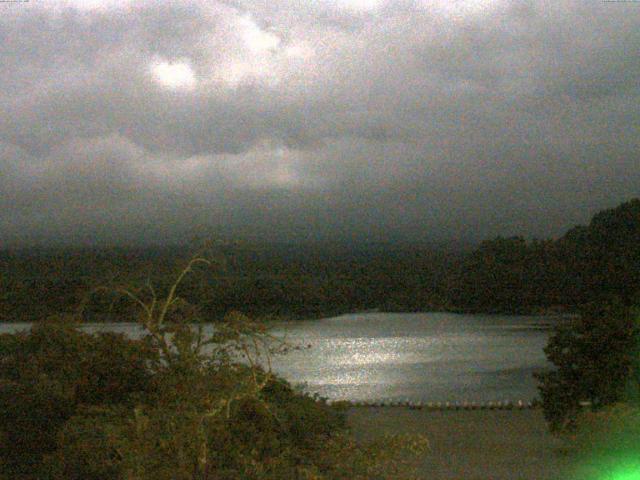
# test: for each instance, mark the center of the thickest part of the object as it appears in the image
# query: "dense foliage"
(48, 374)
(596, 359)
(515, 276)
(509, 275)
(259, 280)
(178, 404)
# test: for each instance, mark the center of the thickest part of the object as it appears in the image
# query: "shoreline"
(533, 404)
(270, 319)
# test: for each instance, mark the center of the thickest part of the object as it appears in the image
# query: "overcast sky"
(415, 120)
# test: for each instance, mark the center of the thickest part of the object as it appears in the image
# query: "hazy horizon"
(200, 238)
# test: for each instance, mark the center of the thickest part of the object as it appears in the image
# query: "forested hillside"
(588, 262)
(510, 275)
(277, 280)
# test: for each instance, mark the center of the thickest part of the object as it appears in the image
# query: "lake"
(425, 357)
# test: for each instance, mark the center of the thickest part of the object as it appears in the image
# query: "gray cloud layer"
(365, 119)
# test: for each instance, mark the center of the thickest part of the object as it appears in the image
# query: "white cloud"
(340, 96)
(257, 40)
(176, 75)
(360, 5)
(87, 5)
(460, 9)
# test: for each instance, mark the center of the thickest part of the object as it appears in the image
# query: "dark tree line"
(588, 263)
(277, 280)
(506, 275)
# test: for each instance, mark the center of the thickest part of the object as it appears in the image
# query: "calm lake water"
(420, 357)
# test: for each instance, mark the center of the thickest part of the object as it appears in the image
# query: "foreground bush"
(178, 404)
(596, 361)
(47, 374)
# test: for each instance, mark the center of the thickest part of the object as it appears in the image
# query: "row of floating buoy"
(504, 405)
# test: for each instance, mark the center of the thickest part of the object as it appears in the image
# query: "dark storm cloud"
(313, 120)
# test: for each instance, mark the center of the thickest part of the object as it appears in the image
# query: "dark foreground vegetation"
(174, 405)
(597, 360)
(504, 275)
(592, 396)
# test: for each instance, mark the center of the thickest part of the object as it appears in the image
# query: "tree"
(596, 360)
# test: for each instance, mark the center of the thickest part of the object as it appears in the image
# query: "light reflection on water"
(420, 357)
